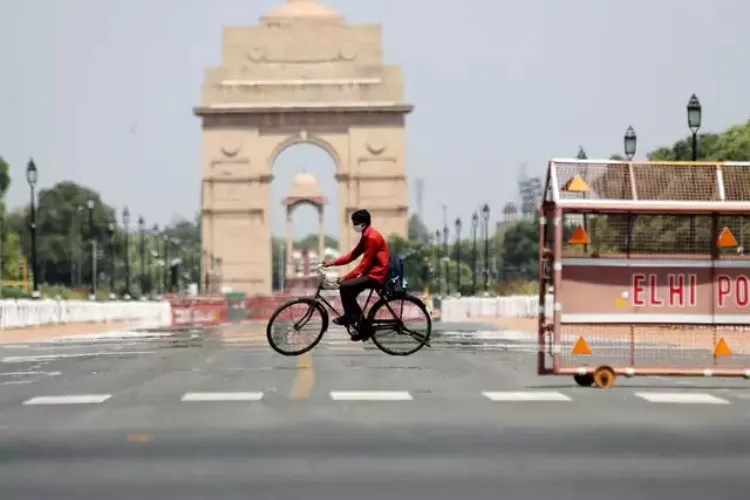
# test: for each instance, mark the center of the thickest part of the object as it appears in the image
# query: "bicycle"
(374, 321)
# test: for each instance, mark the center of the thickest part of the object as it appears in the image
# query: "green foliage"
(4, 177)
(418, 231)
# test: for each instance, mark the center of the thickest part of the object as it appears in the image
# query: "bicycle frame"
(376, 325)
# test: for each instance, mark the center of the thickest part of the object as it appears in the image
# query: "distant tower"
(419, 185)
(510, 212)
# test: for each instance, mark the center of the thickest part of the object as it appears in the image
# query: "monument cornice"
(262, 109)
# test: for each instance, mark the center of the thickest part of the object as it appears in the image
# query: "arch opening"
(304, 208)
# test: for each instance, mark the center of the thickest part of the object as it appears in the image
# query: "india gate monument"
(301, 75)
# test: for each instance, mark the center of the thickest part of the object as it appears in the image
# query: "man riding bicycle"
(370, 273)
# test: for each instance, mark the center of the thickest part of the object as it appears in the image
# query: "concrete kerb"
(50, 332)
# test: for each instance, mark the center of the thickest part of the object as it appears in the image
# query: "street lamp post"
(694, 116)
(458, 255)
(155, 275)
(438, 267)
(165, 237)
(142, 230)
(111, 232)
(474, 228)
(92, 244)
(486, 220)
(178, 266)
(126, 224)
(446, 254)
(630, 141)
(32, 177)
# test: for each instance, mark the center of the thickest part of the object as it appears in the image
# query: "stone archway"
(301, 75)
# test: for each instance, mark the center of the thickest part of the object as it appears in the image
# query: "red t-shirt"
(376, 256)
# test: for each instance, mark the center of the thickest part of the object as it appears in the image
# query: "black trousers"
(350, 290)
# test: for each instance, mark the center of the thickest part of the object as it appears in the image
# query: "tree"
(520, 250)
(655, 234)
(11, 245)
(63, 231)
(418, 230)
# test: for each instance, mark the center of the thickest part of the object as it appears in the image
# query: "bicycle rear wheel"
(400, 326)
(296, 327)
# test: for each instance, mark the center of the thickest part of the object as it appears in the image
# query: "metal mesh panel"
(736, 182)
(675, 182)
(641, 235)
(606, 182)
(739, 227)
(657, 345)
(657, 181)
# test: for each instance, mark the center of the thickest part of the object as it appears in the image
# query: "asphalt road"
(196, 417)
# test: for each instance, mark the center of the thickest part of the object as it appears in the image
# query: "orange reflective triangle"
(576, 184)
(579, 237)
(727, 239)
(581, 347)
(722, 348)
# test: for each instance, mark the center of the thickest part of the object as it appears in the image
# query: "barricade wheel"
(586, 380)
(604, 377)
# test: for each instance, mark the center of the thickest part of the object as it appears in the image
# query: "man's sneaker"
(341, 321)
(362, 332)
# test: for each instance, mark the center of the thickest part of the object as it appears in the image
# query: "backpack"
(395, 283)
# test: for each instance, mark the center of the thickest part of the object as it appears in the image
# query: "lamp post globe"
(630, 141)
(31, 173)
(694, 113)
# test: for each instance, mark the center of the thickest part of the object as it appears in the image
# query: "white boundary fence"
(465, 308)
(29, 313)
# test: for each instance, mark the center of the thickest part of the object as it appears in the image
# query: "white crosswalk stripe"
(526, 396)
(681, 398)
(78, 399)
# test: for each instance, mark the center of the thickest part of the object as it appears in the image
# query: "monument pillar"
(321, 235)
(289, 269)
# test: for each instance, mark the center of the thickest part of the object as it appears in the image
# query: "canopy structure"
(667, 187)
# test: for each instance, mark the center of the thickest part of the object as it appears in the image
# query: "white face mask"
(358, 228)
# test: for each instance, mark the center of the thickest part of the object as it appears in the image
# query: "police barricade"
(200, 310)
(648, 269)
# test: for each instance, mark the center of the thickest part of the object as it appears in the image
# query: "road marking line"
(371, 396)
(14, 374)
(681, 398)
(304, 378)
(79, 399)
(48, 357)
(525, 396)
(221, 396)
(139, 437)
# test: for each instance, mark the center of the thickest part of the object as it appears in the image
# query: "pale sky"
(100, 91)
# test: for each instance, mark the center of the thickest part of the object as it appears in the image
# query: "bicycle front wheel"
(296, 327)
(400, 325)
